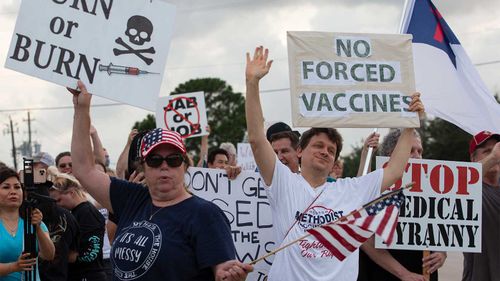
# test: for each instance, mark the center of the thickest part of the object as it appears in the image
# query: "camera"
(39, 176)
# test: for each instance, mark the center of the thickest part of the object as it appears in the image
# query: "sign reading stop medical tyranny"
(442, 211)
(351, 80)
(184, 113)
(117, 48)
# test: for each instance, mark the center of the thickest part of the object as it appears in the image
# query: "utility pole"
(14, 154)
(30, 147)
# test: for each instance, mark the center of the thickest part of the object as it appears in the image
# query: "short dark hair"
(294, 139)
(61, 155)
(6, 173)
(215, 152)
(332, 134)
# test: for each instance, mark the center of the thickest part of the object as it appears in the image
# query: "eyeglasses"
(64, 165)
(173, 160)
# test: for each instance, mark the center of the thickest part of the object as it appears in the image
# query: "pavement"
(452, 268)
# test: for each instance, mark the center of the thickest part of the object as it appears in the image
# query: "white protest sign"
(117, 48)
(244, 202)
(183, 113)
(442, 211)
(245, 157)
(351, 80)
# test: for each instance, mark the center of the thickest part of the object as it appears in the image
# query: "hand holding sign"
(416, 105)
(81, 98)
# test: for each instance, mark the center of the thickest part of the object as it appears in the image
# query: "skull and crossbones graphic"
(139, 31)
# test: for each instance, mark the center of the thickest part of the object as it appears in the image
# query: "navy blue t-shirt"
(179, 242)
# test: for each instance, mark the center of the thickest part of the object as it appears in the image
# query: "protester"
(86, 263)
(64, 163)
(218, 158)
(12, 260)
(231, 151)
(63, 230)
(392, 265)
(284, 142)
(172, 234)
(42, 160)
(485, 266)
(338, 169)
(290, 194)
(110, 225)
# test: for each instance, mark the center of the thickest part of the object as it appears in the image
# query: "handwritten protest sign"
(245, 203)
(351, 80)
(442, 211)
(117, 48)
(245, 157)
(185, 114)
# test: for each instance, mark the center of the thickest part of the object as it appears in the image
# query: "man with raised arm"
(306, 200)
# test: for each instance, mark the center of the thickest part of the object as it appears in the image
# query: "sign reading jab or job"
(442, 211)
(351, 80)
(245, 204)
(117, 48)
(184, 113)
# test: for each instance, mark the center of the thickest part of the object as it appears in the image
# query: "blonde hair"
(63, 182)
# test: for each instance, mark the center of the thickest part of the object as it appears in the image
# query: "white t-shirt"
(289, 195)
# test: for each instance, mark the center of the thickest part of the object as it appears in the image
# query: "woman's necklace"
(11, 229)
(155, 212)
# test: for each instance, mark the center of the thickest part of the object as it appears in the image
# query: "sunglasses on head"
(64, 165)
(173, 160)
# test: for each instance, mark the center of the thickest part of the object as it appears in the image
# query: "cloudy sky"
(210, 40)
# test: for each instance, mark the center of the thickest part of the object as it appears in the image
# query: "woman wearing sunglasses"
(164, 232)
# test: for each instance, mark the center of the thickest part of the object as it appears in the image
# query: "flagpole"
(406, 13)
(342, 219)
(368, 156)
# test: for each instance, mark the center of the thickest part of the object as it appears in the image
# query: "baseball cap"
(481, 138)
(160, 136)
(278, 128)
(45, 158)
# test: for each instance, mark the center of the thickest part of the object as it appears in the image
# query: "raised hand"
(416, 105)
(81, 97)
(258, 66)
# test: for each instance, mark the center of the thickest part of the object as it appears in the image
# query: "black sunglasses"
(173, 160)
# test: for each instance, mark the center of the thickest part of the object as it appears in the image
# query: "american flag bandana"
(380, 216)
(161, 136)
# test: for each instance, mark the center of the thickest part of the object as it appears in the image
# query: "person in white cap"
(164, 232)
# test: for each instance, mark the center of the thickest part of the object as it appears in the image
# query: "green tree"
(441, 140)
(444, 141)
(145, 124)
(351, 161)
(225, 111)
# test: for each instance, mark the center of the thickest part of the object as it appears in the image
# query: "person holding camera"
(13, 262)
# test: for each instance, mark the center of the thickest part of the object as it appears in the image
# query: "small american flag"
(344, 236)
(161, 136)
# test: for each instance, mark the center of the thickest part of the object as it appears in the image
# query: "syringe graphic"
(118, 69)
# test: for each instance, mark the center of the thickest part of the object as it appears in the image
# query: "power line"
(99, 105)
(56, 107)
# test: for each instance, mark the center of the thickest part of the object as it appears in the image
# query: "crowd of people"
(141, 222)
